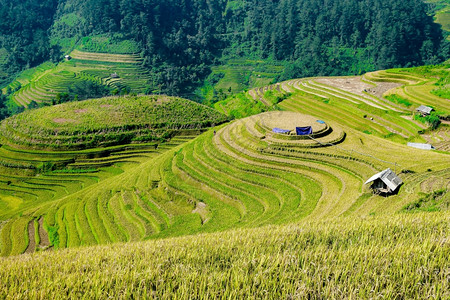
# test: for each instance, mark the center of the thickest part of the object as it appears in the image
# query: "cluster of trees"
(24, 32)
(181, 39)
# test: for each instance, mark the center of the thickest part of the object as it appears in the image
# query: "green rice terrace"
(116, 170)
(79, 75)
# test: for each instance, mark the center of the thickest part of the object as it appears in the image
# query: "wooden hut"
(424, 110)
(385, 182)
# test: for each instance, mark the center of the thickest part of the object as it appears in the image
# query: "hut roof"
(421, 146)
(425, 109)
(388, 177)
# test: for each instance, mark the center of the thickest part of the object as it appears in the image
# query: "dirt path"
(43, 236)
(32, 240)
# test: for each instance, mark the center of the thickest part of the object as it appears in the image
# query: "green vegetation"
(435, 201)
(252, 43)
(399, 100)
(241, 175)
(86, 75)
(106, 121)
(106, 44)
(440, 9)
(432, 119)
(46, 183)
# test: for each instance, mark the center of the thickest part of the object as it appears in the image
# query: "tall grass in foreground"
(397, 257)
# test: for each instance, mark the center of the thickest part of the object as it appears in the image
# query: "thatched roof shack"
(424, 110)
(385, 182)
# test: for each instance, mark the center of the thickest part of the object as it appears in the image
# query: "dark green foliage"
(180, 40)
(432, 119)
(434, 201)
(53, 235)
(4, 112)
(399, 100)
(23, 31)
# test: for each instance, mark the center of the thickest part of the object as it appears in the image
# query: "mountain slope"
(182, 43)
(241, 174)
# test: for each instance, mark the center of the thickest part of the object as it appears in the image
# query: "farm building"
(68, 57)
(385, 182)
(424, 110)
(114, 75)
(421, 146)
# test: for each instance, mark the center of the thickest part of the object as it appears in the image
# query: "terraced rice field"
(363, 103)
(84, 67)
(241, 74)
(239, 174)
(46, 161)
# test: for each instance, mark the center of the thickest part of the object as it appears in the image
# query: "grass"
(399, 100)
(435, 201)
(358, 258)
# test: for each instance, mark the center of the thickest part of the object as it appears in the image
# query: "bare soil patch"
(202, 211)
(80, 111)
(356, 86)
(32, 241)
(106, 105)
(43, 236)
(290, 120)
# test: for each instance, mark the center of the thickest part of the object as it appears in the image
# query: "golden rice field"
(390, 257)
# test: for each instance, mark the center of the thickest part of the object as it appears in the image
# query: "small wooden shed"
(114, 75)
(424, 110)
(385, 182)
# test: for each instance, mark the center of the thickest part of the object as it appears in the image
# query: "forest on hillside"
(181, 39)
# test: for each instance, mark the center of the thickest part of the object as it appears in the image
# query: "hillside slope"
(399, 256)
(85, 75)
(239, 174)
(48, 154)
(181, 43)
